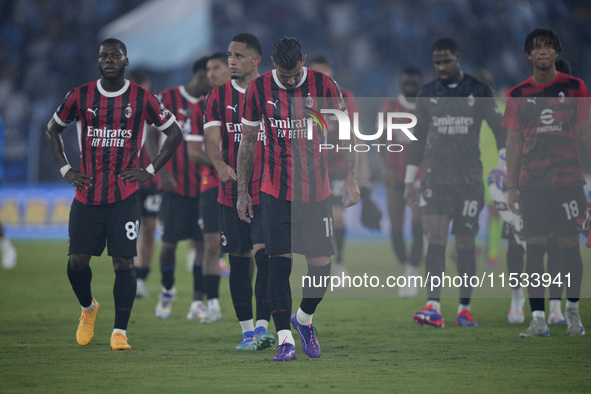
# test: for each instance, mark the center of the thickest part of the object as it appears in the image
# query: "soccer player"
(218, 73)
(179, 184)
(544, 114)
(150, 205)
(9, 253)
(223, 114)
(337, 167)
(393, 165)
(449, 113)
(295, 189)
(111, 115)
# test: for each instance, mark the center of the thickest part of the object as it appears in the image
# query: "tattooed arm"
(246, 157)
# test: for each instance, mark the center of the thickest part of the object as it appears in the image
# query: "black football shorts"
(462, 203)
(92, 227)
(179, 216)
(551, 210)
(237, 236)
(303, 228)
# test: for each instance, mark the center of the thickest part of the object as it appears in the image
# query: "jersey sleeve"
(67, 111)
(212, 109)
(511, 117)
(158, 114)
(251, 114)
(196, 119)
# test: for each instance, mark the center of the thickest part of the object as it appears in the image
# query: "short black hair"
(321, 59)
(113, 41)
(220, 56)
(287, 52)
(563, 66)
(200, 64)
(412, 70)
(251, 41)
(445, 44)
(139, 76)
(546, 36)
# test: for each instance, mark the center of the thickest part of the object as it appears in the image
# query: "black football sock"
(280, 291)
(416, 251)
(167, 263)
(241, 287)
(515, 260)
(142, 273)
(466, 266)
(399, 246)
(167, 277)
(312, 295)
(534, 263)
(198, 283)
(556, 264)
(263, 309)
(339, 240)
(434, 266)
(573, 265)
(212, 286)
(80, 281)
(124, 292)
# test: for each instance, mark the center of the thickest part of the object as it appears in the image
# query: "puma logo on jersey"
(232, 108)
(183, 112)
(92, 110)
(274, 104)
(532, 100)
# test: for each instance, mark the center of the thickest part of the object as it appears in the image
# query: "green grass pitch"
(368, 344)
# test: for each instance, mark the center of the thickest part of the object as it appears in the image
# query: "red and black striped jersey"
(184, 171)
(111, 131)
(336, 158)
(548, 116)
(209, 175)
(295, 169)
(223, 108)
(145, 162)
(395, 161)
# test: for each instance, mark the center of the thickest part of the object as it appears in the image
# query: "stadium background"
(48, 47)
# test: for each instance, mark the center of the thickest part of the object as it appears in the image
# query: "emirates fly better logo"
(387, 123)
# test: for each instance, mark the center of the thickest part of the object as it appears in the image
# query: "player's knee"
(465, 242)
(536, 240)
(122, 263)
(435, 235)
(435, 228)
(79, 261)
(167, 248)
(318, 261)
(568, 242)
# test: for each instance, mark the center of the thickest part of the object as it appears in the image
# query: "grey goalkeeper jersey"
(448, 131)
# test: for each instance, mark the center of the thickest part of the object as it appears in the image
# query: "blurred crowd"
(48, 47)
